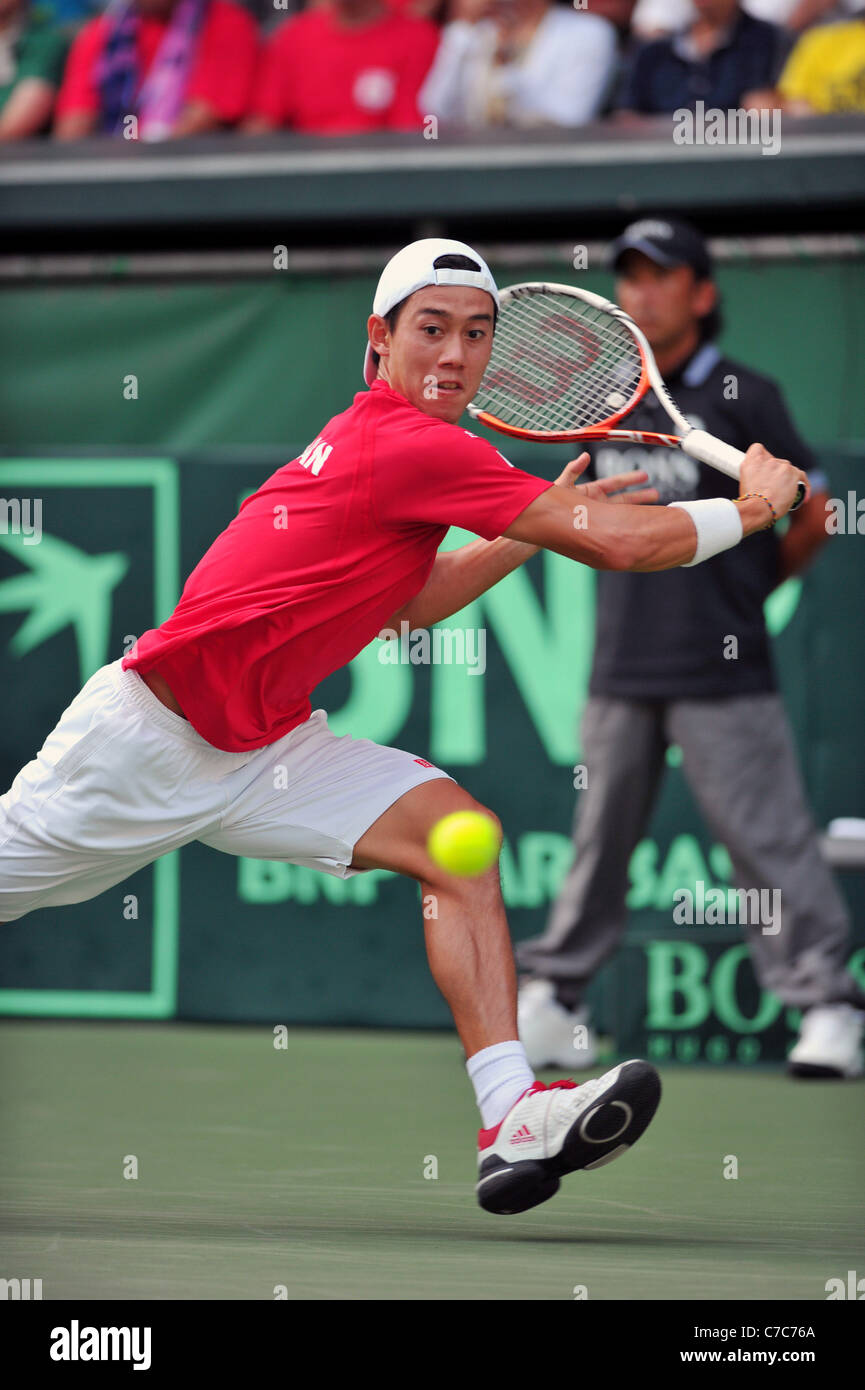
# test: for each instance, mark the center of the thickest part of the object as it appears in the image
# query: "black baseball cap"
(667, 241)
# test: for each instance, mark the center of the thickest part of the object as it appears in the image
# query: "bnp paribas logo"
(71, 532)
(62, 585)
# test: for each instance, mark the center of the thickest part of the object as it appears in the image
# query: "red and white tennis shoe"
(554, 1130)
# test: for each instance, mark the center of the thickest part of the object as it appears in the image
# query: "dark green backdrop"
(175, 400)
(267, 361)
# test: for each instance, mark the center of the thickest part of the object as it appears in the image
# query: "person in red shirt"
(203, 731)
(178, 67)
(344, 67)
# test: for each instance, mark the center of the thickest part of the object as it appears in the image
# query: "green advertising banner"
(238, 365)
(96, 549)
(139, 416)
(204, 936)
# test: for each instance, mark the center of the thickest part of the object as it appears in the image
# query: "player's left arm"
(459, 576)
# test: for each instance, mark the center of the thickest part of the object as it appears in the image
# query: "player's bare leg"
(534, 1134)
(467, 939)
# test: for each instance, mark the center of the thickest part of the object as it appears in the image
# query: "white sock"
(499, 1075)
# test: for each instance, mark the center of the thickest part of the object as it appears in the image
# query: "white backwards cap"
(412, 268)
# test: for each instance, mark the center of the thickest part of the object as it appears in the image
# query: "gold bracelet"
(768, 504)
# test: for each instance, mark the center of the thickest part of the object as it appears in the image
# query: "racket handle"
(724, 457)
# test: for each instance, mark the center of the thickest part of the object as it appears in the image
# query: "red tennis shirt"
(221, 73)
(319, 76)
(317, 561)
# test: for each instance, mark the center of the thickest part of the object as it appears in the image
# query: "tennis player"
(205, 730)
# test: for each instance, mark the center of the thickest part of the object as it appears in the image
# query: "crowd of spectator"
(158, 69)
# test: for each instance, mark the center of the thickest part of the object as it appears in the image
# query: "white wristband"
(718, 523)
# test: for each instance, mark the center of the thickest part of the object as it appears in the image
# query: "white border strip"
(427, 157)
(258, 264)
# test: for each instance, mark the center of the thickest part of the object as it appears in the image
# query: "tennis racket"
(567, 365)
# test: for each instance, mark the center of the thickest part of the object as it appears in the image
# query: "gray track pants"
(740, 762)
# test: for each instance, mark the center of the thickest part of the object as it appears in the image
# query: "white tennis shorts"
(123, 780)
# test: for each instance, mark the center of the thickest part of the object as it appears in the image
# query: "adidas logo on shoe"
(522, 1136)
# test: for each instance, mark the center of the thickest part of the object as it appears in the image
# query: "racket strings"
(559, 364)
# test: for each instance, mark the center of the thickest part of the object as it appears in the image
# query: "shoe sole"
(603, 1133)
(814, 1071)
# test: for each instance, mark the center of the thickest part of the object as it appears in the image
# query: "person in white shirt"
(520, 63)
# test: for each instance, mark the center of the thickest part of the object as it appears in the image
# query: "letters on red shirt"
(320, 77)
(319, 559)
(222, 71)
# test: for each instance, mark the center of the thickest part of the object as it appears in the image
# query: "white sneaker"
(554, 1130)
(830, 1043)
(552, 1035)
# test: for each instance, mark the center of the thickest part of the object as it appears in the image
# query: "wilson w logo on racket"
(568, 365)
(562, 349)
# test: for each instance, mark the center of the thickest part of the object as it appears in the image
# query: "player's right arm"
(621, 537)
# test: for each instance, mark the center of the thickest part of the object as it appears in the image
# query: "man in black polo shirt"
(721, 57)
(663, 675)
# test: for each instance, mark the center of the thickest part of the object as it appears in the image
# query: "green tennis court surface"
(304, 1168)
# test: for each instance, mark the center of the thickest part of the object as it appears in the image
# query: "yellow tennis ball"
(466, 843)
